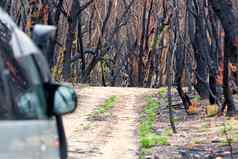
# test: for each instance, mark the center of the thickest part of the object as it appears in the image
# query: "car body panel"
(29, 140)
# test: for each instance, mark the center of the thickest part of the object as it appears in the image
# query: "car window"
(27, 99)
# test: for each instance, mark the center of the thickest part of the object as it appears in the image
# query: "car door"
(26, 131)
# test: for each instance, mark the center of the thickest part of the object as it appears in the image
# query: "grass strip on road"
(102, 111)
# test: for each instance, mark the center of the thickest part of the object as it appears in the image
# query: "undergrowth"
(148, 138)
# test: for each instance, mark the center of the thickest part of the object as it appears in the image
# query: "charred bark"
(180, 67)
(97, 52)
(201, 48)
(141, 51)
(224, 10)
(231, 109)
(212, 25)
(72, 19)
(180, 57)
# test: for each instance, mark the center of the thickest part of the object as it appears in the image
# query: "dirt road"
(112, 138)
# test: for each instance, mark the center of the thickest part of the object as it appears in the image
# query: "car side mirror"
(65, 100)
(44, 37)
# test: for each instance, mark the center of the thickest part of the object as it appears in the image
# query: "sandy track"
(113, 138)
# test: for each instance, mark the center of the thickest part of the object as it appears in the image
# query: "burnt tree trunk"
(180, 59)
(201, 49)
(212, 25)
(231, 109)
(72, 19)
(180, 66)
(224, 10)
(141, 51)
(103, 74)
(98, 52)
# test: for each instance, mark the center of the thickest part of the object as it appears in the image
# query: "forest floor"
(113, 133)
(198, 136)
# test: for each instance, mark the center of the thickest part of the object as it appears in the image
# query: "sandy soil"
(114, 137)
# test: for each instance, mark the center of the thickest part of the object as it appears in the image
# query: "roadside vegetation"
(148, 137)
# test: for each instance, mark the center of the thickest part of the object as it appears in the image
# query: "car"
(31, 103)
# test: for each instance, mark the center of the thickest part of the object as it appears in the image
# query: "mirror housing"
(44, 37)
(65, 100)
(60, 99)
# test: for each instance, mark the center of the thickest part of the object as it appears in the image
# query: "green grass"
(148, 138)
(227, 128)
(229, 133)
(109, 104)
(101, 111)
(197, 98)
(163, 91)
